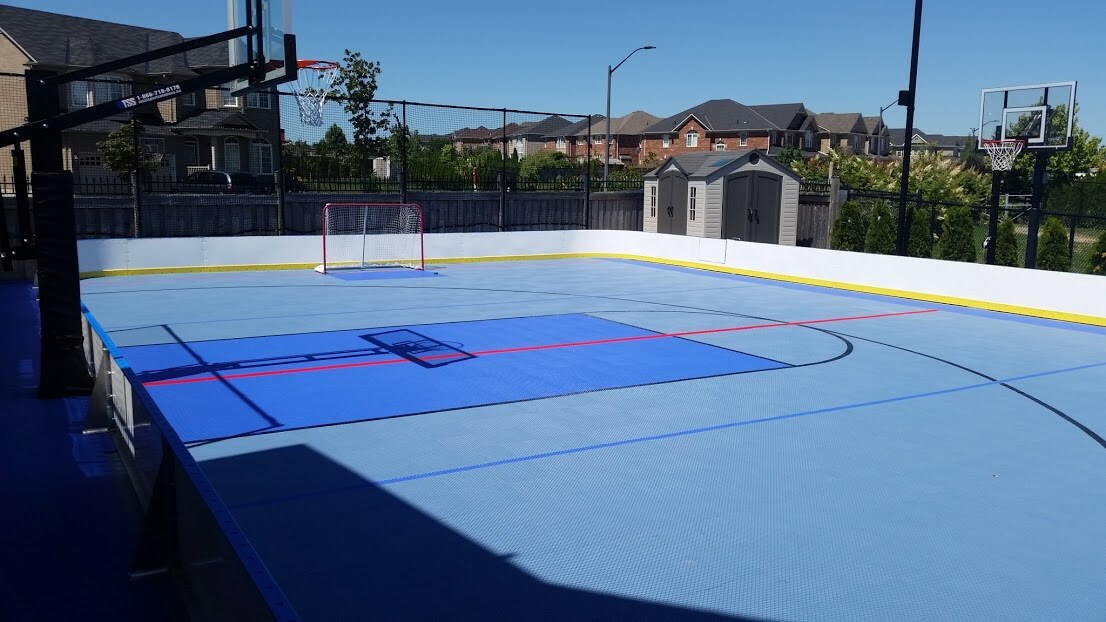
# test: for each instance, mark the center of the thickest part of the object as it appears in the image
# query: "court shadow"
(418, 348)
(343, 548)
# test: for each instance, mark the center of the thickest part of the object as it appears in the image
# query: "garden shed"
(740, 195)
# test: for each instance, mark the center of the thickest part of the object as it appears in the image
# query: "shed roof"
(706, 164)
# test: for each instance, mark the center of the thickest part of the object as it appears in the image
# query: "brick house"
(192, 132)
(572, 140)
(724, 124)
(846, 131)
(626, 138)
(946, 145)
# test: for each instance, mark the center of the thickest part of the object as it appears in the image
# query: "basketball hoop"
(1003, 152)
(312, 87)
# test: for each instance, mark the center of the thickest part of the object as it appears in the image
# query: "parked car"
(222, 182)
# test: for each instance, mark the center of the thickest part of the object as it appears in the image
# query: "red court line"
(550, 346)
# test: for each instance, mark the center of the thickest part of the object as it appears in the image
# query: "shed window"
(652, 201)
(692, 194)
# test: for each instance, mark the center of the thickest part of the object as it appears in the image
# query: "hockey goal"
(358, 236)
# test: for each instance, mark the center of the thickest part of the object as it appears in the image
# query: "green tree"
(1087, 154)
(1098, 257)
(1006, 243)
(118, 150)
(355, 85)
(1052, 249)
(920, 243)
(530, 167)
(881, 231)
(789, 157)
(849, 229)
(957, 241)
(333, 141)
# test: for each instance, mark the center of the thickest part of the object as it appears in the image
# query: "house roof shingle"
(68, 41)
(935, 140)
(841, 123)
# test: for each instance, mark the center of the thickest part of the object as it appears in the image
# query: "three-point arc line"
(534, 348)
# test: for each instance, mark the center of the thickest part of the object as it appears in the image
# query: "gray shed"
(738, 195)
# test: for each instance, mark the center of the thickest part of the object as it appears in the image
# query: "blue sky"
(834, 56)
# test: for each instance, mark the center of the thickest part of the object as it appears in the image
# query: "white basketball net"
(1003, 153)
(311, 87)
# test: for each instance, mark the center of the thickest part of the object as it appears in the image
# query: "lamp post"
(881, 111)
(607, 139)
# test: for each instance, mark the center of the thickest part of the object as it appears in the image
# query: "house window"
(856, 144)
(85, 93)
(719, 146)
(692, 138)
(232, 155)
(743, 139)
(598, 140)
(89, 160)
(191, 152)
(652, 201)
(808, 139)
(664, 141)
(560, 143)
(189, 99)
(152, 145)
(229, 101)
(692, 196)
(581, 141)
(261, 160)
(259, 99)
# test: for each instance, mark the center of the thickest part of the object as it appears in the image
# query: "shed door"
(736, 207)
(767, 190)
(672, 215)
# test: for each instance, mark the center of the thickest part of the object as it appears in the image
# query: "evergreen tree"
(881, 231)
(920, 243)
(849, 229)
(1052, 249)
(1006, 243)
(1098, 258)
(957, 241)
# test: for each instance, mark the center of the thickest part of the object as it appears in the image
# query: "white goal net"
(359, 236)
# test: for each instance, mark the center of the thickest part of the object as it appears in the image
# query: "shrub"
(881, 231)
(1098, 258)
(957, 241)
(1006, 243)
(849, 229)
(920, 243)
(1052, 249)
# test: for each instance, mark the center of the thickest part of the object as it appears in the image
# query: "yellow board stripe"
(854, 287)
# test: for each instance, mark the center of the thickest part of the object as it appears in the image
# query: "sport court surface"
(599, 438)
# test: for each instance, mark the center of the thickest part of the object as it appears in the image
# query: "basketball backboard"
(1039, 114)
(274, 42)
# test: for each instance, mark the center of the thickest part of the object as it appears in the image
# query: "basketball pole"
(1039, 166)
(907, 98)
(992, 216)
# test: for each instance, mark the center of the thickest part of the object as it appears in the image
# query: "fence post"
(278, 180)
(503, 174)
(835, 201)
(1075, 224)
(403, 163)
(22, 198)
(136, 172)
(587, 180)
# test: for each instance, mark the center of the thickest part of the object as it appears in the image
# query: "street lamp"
(881, 110)
(607, 139)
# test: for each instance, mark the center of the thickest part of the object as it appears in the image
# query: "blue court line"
(822, 289)
(725, 426)
(657, 437)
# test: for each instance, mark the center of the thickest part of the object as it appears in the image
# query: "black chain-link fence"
(214, 164)
(1078, 209)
